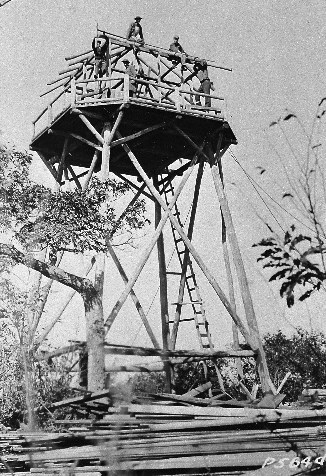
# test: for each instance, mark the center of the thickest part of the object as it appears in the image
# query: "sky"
(276, 50)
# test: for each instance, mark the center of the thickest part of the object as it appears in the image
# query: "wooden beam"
(266, 382)
(163, 292)
(185, 354)
(89, 125)
(131, 137)
(78, 137)
(108, 136)
(62, 160)
(226, 257)
(154, 50)
(68, 58)
(74, 176)
(91, 169)
(106, 152)
(133, 297)
(148, 250)
(94, 115)
(251, 341)
(48, 166)
(135, 186)
(58, 352)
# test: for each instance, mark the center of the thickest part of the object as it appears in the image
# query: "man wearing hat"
(175, 45)
(135, 31)
(177, 48)
(131, 71)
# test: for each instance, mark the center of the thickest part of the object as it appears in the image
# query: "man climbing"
(201, 72)
(100, 46)
(135, 31)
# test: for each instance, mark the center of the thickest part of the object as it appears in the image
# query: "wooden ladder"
(204, 337)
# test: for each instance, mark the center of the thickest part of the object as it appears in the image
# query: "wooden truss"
(99, 123)
(103, 142)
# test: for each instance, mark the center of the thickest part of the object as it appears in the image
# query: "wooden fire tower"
(137, 128)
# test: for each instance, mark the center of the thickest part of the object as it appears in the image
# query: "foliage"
(34, 218)
(75, 221)
(297, 255)
(297, 261)
(303, 354)
(152, 382)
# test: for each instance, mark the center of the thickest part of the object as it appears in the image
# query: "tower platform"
(152, 103)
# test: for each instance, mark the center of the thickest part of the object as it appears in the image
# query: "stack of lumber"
(165, 439)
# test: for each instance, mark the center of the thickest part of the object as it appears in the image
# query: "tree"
(296, 255)
(35, 218)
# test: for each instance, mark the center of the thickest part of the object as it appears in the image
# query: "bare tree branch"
(50, 271)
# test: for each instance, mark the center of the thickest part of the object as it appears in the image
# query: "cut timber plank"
(76, 400)
(198, 390)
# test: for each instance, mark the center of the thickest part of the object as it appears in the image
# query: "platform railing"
(125, 88)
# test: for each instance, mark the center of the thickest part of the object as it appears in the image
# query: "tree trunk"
(95, 340)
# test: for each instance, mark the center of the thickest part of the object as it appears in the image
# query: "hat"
(176, 37)
(138, 18)
(126, 61)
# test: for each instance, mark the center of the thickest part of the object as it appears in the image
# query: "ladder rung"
(183, 320)
(184, 303)
(178, 240)
(182, 252)
(203, 335)
(206, 346)
(174, 272)
(190, 276)
(191, 289)
(201, 323)
(176, 214)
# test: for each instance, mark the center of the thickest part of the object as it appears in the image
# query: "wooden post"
(106, 151)
(266, 382)
(163, 291)
(126, 87)
(73, 92)
(108, 59)
(84, 77)
(62, 160)
(236, 344)
(50, 115)
(178, 99)
(91, 169)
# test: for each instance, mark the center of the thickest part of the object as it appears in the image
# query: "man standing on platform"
(135, 31)
(131, 71)
(201, 72)
(175, 47)
(100, 45)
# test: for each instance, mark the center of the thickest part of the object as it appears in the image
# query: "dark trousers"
(205, 87)
(100, 66)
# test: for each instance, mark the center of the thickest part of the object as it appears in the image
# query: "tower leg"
(266, 382)
(163, 293)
